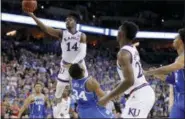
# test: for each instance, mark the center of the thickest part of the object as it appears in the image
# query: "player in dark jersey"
(176, 76)
(87, 91)
(36, 103)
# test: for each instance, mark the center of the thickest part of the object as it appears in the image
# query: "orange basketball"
(29, 5)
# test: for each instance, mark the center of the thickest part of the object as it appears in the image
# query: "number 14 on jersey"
(73, 47)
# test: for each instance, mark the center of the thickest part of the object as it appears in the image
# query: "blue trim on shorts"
(138, 87)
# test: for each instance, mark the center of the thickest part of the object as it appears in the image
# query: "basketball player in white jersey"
(73, 44)
(141, 95)
(65, 105)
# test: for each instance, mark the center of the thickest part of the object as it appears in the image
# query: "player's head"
(38, 87)
(76, 71)
(127, 32)
(179, 39)
(71, 20)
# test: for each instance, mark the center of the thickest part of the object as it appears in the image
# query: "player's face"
(70, 22)
(176, 42)
(120, 35)
(38, 88)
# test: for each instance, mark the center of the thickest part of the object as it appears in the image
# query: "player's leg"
(139, 103)
(62, 82)
(60, 89)
(58, 94)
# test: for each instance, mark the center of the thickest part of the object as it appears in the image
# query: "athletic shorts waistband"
(136, 88)
(64, 81)
(67, 63)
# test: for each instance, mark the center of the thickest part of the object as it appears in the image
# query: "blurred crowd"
(23, 65)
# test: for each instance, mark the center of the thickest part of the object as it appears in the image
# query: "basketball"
(29, 5)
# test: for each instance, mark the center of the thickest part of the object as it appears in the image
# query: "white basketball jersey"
(139, 77)
(70, 45)
(65, 106)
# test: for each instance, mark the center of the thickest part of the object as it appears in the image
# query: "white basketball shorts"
(64, 78)
(139, 103)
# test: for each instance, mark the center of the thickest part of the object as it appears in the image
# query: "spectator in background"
(15, 108)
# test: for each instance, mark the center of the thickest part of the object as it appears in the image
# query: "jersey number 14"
(74, 47)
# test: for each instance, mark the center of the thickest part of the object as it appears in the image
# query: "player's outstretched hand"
(148, 73)
(103, 101)
(29, 13)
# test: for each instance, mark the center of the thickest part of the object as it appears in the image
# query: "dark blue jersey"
(82, 96)
(87, 101)
(177, 79)
(37, 107)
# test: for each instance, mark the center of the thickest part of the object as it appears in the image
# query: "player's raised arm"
(124, 60)
(27, 102)
(83, 48)
(178, 64)
(93, 86)
(49, 30)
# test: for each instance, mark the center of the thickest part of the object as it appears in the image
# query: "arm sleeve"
(81, 55)
(171, 78)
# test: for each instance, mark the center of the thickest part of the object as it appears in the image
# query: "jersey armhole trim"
(85, 88)
(131, 59)
(62, 35)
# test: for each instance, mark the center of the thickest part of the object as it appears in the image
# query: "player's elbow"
(180, 66)
(177, 66)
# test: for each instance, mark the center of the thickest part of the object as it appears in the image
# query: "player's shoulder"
(124, 56)
(123, 53)
(65, 31)
(43, 95)
(90, 81)
(83, 38)
(31, 97)
(129, 48)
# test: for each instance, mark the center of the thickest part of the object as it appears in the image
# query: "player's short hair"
(182, 34)
(76, 71)
(130, 29)
(38, 83)
(75, 16)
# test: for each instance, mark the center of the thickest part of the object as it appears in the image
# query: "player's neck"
(37, 93)
(65, 97)
(72, 30)
(122, 43)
